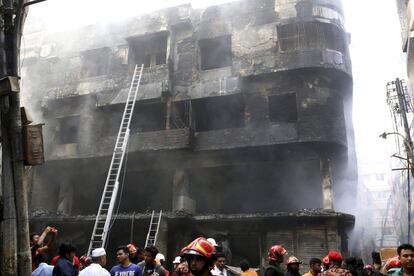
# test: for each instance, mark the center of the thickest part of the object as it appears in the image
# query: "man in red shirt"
(36, 242)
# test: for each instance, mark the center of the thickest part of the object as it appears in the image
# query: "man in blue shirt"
(64, 266)
(125, 267)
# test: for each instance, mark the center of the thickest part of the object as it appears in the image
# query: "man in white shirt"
(42, 268)
(95, 269)
(220, 266)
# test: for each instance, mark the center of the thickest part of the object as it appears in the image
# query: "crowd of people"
(202, 258)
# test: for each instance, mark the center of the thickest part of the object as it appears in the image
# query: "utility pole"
(396, 98)
(408, 144)
(15, 247)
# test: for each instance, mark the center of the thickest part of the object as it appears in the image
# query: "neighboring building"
(400, 178)
(378, 197)
(240, 107)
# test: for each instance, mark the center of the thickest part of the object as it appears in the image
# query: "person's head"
(176, 262)
(406, 256)
(67, 250)
(140, 254)
(132, 250)
(34, 238)
(99, 256)
(244, 265)
(122, 255)
(276, 254)
(161, 258)
(150, 254)
(40, 258)
(392, 263)
(220, 261)
(84, 261)
(315, 265)
(376, 258)
(182, 268)
(200, 255)
(335, 259)
(351, 264)
(292, 264)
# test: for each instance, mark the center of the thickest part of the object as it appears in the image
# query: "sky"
(375, 51)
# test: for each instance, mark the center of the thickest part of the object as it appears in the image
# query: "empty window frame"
(215, 52)
(95, 62)
(218, 113)
(150, 50)
(282, 108)
(68, 130)
(149, 117)
(308, 35)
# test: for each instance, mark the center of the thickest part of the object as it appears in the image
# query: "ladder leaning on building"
(110, 192)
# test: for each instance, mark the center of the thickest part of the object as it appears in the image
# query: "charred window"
(305, 35)
(95, 62)
(149, 117)
(218, 113)
(180, 114)
(68, 130)
(282, 108)
(150, 50)
(215, 52)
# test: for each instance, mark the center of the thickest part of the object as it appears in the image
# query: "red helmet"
(393, 262)
(293, 260)
(335, 256)
(199, 246)
(325, 260)
(276, 252)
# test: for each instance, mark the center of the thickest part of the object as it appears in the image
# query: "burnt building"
(241, 131)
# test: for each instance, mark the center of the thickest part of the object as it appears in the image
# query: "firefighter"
(292, 266)
(335, 262)
(393, 266)
(275, 256)
(200, 255)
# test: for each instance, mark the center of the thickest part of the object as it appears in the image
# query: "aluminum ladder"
(110, 192)
(153, 228)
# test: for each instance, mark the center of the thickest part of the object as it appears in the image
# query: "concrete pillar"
(181, 193)
(65, 198)
(326, 183)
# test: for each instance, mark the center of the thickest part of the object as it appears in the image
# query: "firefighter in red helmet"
(275, 256)
(200, 255)
(335, 262)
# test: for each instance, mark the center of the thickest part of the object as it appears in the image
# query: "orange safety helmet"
(276, 252)
(325, 260)
(393, 262)
(200, 246)
(293, 260)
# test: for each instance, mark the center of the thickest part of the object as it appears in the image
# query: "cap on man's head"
(212, 241)
(98, 252)
(160, 257)
(177, 260)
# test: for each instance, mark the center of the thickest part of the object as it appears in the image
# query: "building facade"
(242, 128)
